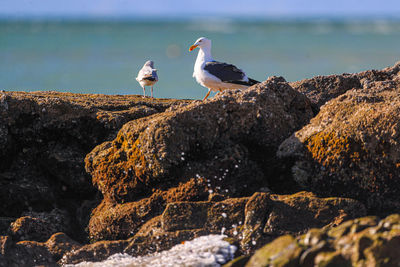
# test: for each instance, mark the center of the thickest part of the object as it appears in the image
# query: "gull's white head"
(149, 63)
(202, 42)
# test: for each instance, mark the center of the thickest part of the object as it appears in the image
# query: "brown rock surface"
(351, 148)
(321, 89)
(39, 226)
(24, 253)
(94, 252)
(59, 244)
(189, 152)
(359, 242)
(32, 253)
(111, 220)
(178, 170)
(44, 137)
(249, 222)
(228, 137)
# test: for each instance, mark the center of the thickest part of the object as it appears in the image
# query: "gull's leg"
(209, 91)
(152, 91)
(144, 91)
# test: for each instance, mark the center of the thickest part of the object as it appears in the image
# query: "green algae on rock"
(364, 241)
(212, 139)
(352, 147)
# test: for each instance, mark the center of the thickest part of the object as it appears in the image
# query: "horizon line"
(186, 17)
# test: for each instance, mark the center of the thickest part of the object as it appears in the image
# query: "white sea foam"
(205, 251)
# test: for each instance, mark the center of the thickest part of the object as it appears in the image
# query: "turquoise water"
(104, 57)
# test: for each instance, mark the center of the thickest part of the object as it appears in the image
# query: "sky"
(171, 8)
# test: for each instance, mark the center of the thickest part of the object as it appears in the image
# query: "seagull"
(214, 75)
(147, 76)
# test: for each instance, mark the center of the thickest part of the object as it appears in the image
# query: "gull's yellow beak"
(193, 47)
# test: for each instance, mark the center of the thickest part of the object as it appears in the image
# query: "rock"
(5, 243)
(59, 244)
(155, 239)
(5, 224)
(248, 222)
(269, 215)
(39, 226)
(112, 220)
(359, 242)
(94, 252)
(177, 170)
(284, 246)
(24, 253)
(351, 147)
(387, 74)
(238, 262)
(32, 253)
(212, 216)
(160, 152)
(321, 89)
(158, 159)
(227, 137)
(44, 137)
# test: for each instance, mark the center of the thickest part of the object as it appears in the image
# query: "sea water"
(204, 251)
(96, 56)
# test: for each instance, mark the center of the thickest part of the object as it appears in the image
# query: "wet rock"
(212, 216)
(5, 224)
(152, 238)
(59, 244)
(94, 252)
(32, 253)
(269, 216)
(111, 220)
(39, 226)
(248, 222)
(351, 147)
(285, 246)
(24, 253)
(190, 152)
(44, 137)
(360, 242)
(228, 137)
(321, 89)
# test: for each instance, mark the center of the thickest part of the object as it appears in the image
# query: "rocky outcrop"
(44, 137)
(112, 220)
(352, 147)
(365, 241)
(225, 138)
(169, 171)
(249, 222)
(32, 253)
(258, 219)
(321, 89)
(39, 226)
(94, 252)
(195, 148)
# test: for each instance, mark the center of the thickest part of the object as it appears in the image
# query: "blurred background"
(98, 46)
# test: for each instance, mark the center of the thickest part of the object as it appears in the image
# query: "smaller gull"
(147, 76)
(214, 75)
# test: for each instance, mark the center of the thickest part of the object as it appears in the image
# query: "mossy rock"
(238, 262)
(283, 251)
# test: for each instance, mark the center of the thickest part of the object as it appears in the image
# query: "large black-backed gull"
(214, 75)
